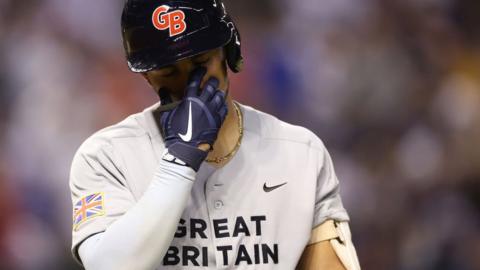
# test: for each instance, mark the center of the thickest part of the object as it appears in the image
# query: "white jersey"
(256, 212)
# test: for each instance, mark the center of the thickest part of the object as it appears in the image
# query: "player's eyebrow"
(167, 67)
(201, 56)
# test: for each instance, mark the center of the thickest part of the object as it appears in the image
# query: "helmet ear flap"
(234, 51)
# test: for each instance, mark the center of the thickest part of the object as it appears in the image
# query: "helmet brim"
(160, 56)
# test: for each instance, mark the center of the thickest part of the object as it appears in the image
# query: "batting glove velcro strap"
(185, 155)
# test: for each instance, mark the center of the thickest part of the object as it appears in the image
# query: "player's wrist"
(185, 155)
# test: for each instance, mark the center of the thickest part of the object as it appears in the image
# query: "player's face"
(174, 78)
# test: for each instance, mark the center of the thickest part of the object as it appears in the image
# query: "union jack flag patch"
(87, 208)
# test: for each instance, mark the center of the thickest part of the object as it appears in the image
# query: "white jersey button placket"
(218, 211)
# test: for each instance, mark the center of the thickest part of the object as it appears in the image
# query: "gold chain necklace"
(219, 160)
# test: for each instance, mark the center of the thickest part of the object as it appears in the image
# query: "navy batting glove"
(195, 121)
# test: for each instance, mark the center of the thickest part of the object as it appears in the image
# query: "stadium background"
(391, 86)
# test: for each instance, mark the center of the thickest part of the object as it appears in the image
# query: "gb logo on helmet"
(174, 20)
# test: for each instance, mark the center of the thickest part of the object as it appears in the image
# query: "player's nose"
(188, 67)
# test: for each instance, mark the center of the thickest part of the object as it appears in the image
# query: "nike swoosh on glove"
(195, 121)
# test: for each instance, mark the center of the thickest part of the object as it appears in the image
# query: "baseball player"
(199, 181)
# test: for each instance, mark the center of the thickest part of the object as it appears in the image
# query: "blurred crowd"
(391, 86)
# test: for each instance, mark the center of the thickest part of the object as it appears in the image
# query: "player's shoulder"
(133, 126)
(270, 127)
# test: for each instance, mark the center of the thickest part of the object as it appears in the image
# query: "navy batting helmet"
(157, 33)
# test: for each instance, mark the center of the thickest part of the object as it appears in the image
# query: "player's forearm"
(320, 256)
(140, 238)
(330, 247)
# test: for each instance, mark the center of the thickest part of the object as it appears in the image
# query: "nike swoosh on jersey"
(268, 189)
(188, 136)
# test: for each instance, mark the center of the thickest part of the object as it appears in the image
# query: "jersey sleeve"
(328, 203)
(99, 192)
